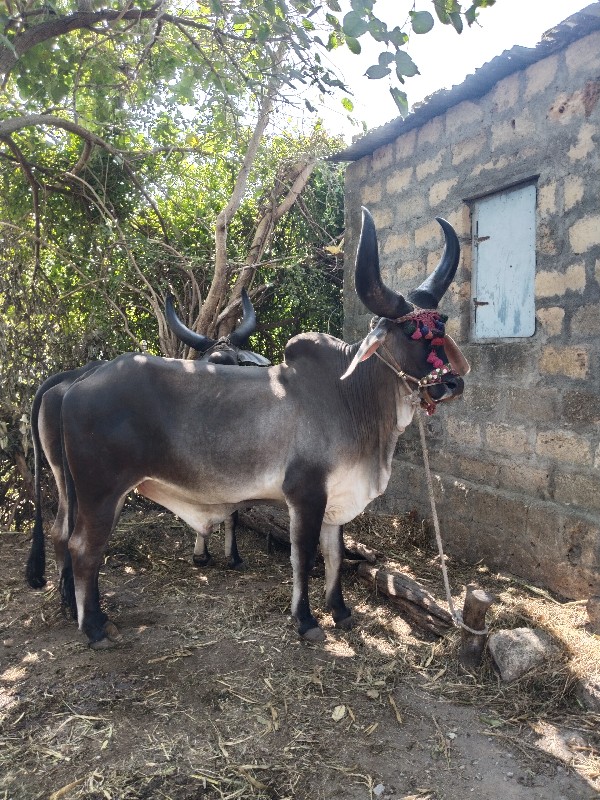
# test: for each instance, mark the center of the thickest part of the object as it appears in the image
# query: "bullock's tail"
(67, 582)
(36, 563)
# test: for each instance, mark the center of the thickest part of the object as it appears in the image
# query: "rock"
(517, 651)
(588, 692)
(593, 610)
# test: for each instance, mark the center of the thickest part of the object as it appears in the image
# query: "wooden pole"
(475, 608)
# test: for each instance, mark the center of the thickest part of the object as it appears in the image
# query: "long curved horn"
(196, 340)
(248, 324)
(375, 295)
(433, 288)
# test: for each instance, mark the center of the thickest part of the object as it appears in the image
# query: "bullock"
(45, 434)
(315, 433)
(226, 351)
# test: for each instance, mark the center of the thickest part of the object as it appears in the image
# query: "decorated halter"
(422, 323)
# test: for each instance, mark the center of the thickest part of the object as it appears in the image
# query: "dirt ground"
(212, 695)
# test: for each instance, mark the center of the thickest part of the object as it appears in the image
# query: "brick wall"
(517, 460)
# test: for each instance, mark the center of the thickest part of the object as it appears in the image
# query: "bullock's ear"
(249, 358)
(369, 345)
(458, 362)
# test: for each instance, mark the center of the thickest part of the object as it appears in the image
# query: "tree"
(140, 151)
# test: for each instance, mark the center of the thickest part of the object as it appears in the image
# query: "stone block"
(430, 133)
(516, 651)
(495, 165)
(372, 194)
(564, 446)
(585, 144)
(507, 439)
(573, 362)
(535, 405)
(587, 691)
(580, 489)
(427, 234)
(396, 242)
(551, 320)
(399, 180)
(573, 191)
(429, 167)
(539, 76)
(586, 321)
(556, 283)
(585, 233)
(440, 191)
(524, 478)
(546, 199)
(463, 432)
(583, 56)
(467, 149)
(579, 408)
(383, 158)
(405, 145)
(593, 612)
(506, 93)
(505, 360)
(462, 116)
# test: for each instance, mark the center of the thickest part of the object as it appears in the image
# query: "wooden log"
(477, 602)
(274, 522)
(416, 604)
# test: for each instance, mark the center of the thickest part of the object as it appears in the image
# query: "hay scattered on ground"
(313, 710)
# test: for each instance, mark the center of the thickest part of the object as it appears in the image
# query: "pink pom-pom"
(434, 360)
(417, 334)
(437, 342)
(429, 335)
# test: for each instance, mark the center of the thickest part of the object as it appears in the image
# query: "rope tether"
(456, 615)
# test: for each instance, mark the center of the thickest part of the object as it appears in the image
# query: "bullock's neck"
(379, 405)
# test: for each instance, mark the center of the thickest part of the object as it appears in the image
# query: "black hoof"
(111, 637)
(314, 635)
(345, 624)
(240, 565)
(203, 561)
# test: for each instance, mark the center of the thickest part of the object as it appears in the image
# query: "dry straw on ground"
(212, 695)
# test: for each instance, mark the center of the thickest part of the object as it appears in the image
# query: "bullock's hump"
(311, 346)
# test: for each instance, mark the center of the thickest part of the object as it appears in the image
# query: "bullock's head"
(409, 335)
(228, 349)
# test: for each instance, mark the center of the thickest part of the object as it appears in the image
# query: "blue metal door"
(504, 264)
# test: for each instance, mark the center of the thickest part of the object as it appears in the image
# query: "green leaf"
(405, 65)
(440, 10)
(456, 20)
(377, 71)
(386, 58)
(354, 25)
(353, 45)
(378, 30)
(348, 104)
(216, 7)
(421, 21)
(362, 5)
(397, 37)
(334, 5)
(400, 99)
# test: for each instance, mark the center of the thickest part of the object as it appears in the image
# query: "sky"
(444, 58)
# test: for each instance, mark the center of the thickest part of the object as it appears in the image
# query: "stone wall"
(517, 460)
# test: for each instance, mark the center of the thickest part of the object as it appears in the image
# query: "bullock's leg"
(306, 498)
(202, 558)
(234, 560)
(87, 546)
(332, 547)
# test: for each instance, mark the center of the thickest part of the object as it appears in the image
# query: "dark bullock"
(204, 440)
(226, 351)
(45, 433)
